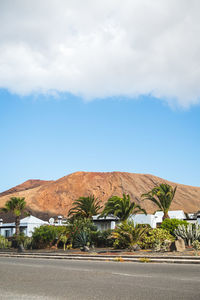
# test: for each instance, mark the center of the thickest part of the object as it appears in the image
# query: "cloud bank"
(100, 49)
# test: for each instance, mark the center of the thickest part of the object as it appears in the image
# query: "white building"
(153, 220)
(173, 214)
(104, 223)
(27, 226)
(144, 219)
(193, 218)
(157, 218)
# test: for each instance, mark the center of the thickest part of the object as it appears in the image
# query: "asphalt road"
(67, 279)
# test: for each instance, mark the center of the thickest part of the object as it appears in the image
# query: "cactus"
(190, 233)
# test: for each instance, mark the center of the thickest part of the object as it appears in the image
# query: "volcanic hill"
(56, 197)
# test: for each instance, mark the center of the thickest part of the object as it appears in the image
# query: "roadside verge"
(116, 258)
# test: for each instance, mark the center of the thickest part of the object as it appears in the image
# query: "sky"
(99, 86)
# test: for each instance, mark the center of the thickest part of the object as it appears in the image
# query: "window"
(7, 233)
(105, 226)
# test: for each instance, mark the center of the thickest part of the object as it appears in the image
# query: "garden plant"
(190, 233)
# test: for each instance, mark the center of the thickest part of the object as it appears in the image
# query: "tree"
(162, 196)
(85, 207)
(16, 206)
(121, 207)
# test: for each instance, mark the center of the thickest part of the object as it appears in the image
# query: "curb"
(127, 258)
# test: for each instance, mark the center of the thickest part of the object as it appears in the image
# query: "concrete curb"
(123, 258)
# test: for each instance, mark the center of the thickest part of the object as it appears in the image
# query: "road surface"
(70, 279)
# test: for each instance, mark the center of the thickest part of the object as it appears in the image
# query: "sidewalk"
(180, 259)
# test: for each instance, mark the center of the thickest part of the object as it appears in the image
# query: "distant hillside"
(29, 184)
(56, 197)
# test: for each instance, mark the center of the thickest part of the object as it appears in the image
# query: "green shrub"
(28, 243)
(155, 239)
(172, 224)
(80, 224)
(4, 243)
(62, 235)
(102, 238)
(44, 236)
(49, 235)
(77, 226)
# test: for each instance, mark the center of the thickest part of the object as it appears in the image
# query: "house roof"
(10, 217)
(24, 221)
(32, 219)
(107, 218)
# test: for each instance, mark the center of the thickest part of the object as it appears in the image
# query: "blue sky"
(46, 138)
(99, 86)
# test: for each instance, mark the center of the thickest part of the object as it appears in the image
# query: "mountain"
(29, 184)
(56, 197)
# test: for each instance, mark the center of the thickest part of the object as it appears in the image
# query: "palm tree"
(162, 196)
(128, 235)
(16, 206)
(85, 207)
(121, 207)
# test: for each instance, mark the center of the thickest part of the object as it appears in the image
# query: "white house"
(153, 220)
(27, 226)
(157, 218)
(144, 219)
(173, 214)
(104, 223)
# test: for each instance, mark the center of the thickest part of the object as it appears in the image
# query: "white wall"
(144, 219)
(173, 214)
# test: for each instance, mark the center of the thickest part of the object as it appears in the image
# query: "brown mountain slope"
(29, 184)
(56, 197)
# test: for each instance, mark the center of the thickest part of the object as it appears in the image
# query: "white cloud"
(102, 48)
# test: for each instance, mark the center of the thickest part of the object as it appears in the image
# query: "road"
(70, 279)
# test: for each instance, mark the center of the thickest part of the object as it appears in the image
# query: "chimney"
(60, 220)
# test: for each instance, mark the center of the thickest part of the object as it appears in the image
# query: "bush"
(155, 239)
(28, 243)
(4, 243)
(44, 236)
(172, 224)
(21, 239)
(48, 235)
(78, 226)
(102, 238)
